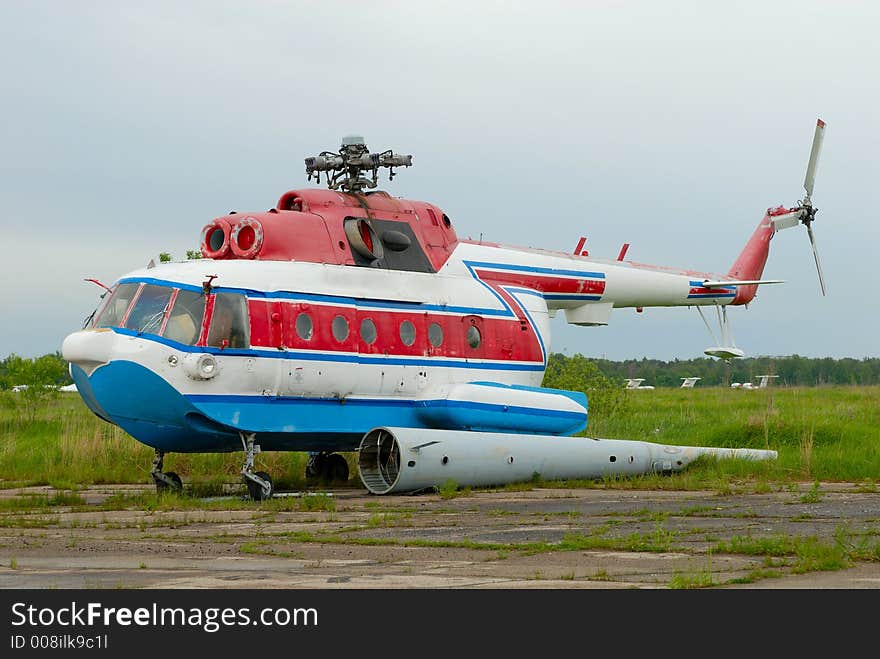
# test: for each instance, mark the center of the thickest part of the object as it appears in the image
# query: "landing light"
(201, 366)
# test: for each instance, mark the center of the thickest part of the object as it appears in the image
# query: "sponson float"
(343, 312)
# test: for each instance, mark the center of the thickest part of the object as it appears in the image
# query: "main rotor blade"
(816, 256)
(810, 178)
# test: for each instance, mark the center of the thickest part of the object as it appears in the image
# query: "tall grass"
(66, 445)
(821, 433)
(827, 433)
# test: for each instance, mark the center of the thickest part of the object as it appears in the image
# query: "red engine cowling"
(311, 225)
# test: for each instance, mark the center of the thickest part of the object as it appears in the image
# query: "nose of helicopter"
(88, 349)
(118, 388)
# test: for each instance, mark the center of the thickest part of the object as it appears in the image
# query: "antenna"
(345, 168)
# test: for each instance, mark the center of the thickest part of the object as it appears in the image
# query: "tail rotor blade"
(810, 178)
(816, 256)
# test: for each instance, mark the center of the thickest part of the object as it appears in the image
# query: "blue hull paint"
(81, 380)
(152, 411)
(460, 415)
(472, 415)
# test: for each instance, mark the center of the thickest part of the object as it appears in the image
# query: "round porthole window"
(304, 326)
(407, 333)
(368, 331)
(473, 337)
(340, 328)
(435, 335)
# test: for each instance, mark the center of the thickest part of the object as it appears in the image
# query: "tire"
(337, 468)
(175, 486)
(316, 466)
(256, 492)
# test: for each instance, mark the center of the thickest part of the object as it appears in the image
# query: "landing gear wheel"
(260, 492)
(327, 468)
(164, 481)
(258, 483)
(171, 482)
(316, 466)
(336, 468)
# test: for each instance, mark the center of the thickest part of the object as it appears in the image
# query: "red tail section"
(750, 263)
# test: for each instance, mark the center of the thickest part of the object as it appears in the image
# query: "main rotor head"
(346, 167)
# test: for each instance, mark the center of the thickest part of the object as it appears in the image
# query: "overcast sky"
(672, 126)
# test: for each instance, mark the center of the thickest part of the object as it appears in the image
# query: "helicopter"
(346, 319)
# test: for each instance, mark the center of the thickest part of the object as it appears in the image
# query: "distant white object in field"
(688, 383)
(636, 383)
(22, 387)
(763, 381)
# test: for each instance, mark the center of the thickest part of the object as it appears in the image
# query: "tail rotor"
(808, 211)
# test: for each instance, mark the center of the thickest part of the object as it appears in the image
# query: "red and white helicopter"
(346, 319)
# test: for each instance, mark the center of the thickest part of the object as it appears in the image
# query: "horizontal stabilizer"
(741, 282)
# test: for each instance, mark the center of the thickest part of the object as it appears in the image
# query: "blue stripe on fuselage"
(724, 291)
(416, 307)
(537, 270)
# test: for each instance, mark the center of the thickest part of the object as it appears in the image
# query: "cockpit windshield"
(176, 314)
(114, 311)
(148, 313)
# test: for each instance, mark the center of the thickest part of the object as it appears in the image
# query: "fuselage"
(312, 353)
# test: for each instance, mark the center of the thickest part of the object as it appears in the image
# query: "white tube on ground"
(409, 459)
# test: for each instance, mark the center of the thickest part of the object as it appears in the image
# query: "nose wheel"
(258, 490)
(164, 481)
(259, 483)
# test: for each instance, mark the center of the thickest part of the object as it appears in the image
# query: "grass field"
(821, 434)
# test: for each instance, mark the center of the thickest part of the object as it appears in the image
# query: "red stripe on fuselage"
(699, 290)
(273, 323)
(544, 283)
(502, 338)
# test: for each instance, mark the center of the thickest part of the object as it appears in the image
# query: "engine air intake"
(379, 461)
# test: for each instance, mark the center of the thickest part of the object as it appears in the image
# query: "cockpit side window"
(229, 322)
(149, 309)
(114, 311)
(185, 320)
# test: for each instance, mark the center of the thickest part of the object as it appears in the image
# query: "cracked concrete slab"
(565, 538)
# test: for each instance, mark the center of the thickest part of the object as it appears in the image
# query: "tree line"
(48, 370)
(577, 372)
(33, 380)
(792, 370)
